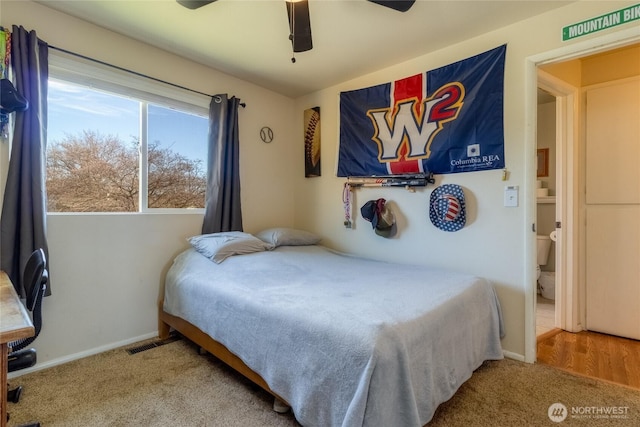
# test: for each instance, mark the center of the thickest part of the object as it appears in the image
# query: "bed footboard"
(167, 321)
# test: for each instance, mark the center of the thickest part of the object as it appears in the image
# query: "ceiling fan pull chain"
(292, 27)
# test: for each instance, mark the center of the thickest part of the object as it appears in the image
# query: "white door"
(612, 207)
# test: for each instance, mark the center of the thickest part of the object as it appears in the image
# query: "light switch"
(511, 196)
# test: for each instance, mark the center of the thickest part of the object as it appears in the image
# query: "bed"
(345, 341)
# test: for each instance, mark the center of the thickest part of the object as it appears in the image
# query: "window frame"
(71, 69)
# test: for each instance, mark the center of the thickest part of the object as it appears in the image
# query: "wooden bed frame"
(167, 321)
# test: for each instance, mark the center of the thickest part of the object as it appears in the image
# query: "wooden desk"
(15, 324)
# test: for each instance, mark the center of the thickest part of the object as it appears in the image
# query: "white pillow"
(282, 236)
(220, 246)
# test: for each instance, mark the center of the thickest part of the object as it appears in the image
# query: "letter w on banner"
(447, 120)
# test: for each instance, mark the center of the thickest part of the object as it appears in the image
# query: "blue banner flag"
(447, 120)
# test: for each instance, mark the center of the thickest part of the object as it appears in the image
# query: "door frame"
(572, 51)
(567, 308)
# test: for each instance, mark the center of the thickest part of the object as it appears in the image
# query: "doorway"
(556, 213)
(608, 226)
(604, 151)
(569, 266)
(547, 168)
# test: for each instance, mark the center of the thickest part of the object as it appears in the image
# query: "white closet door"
(613, 209)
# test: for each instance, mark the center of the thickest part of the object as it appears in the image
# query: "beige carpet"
(172, 385)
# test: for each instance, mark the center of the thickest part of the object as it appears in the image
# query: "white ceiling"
(249, 39)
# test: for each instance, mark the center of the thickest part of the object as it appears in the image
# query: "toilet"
(547, 282)
(546, 279)
(544, 245)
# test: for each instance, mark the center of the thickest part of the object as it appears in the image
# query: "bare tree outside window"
(177, 172)
(90, 172)
(174, 180)
(92, 167)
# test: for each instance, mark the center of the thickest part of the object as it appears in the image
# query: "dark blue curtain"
(223, 210)
(23, 227)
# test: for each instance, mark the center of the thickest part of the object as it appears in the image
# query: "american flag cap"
(447, 207)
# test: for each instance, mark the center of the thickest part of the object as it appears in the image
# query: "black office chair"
(34, 279)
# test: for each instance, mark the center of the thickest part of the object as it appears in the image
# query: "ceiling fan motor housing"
(299, 25)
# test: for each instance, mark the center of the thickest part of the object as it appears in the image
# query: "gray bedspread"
(346, 341)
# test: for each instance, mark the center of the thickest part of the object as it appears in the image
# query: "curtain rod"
(242, 104)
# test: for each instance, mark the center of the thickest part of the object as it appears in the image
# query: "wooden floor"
(592, 354)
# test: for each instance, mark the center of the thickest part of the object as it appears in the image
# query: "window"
(177, 151)
(121, 143)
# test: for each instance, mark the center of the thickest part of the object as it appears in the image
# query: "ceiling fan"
(299, 22)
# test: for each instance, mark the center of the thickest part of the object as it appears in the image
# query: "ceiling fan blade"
(194, 4)
(299, 25)
(399, 5)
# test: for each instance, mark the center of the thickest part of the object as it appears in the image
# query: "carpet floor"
(172, 385)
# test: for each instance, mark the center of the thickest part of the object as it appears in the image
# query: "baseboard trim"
(82, 354)
(512, 355)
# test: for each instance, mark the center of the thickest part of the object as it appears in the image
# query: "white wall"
(107, 269)
(497, 241)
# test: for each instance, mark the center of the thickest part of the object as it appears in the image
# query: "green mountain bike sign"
(612, 19)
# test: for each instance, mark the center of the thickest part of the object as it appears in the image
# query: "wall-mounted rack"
(407, 181)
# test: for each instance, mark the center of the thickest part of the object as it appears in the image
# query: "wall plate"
(511, 196)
